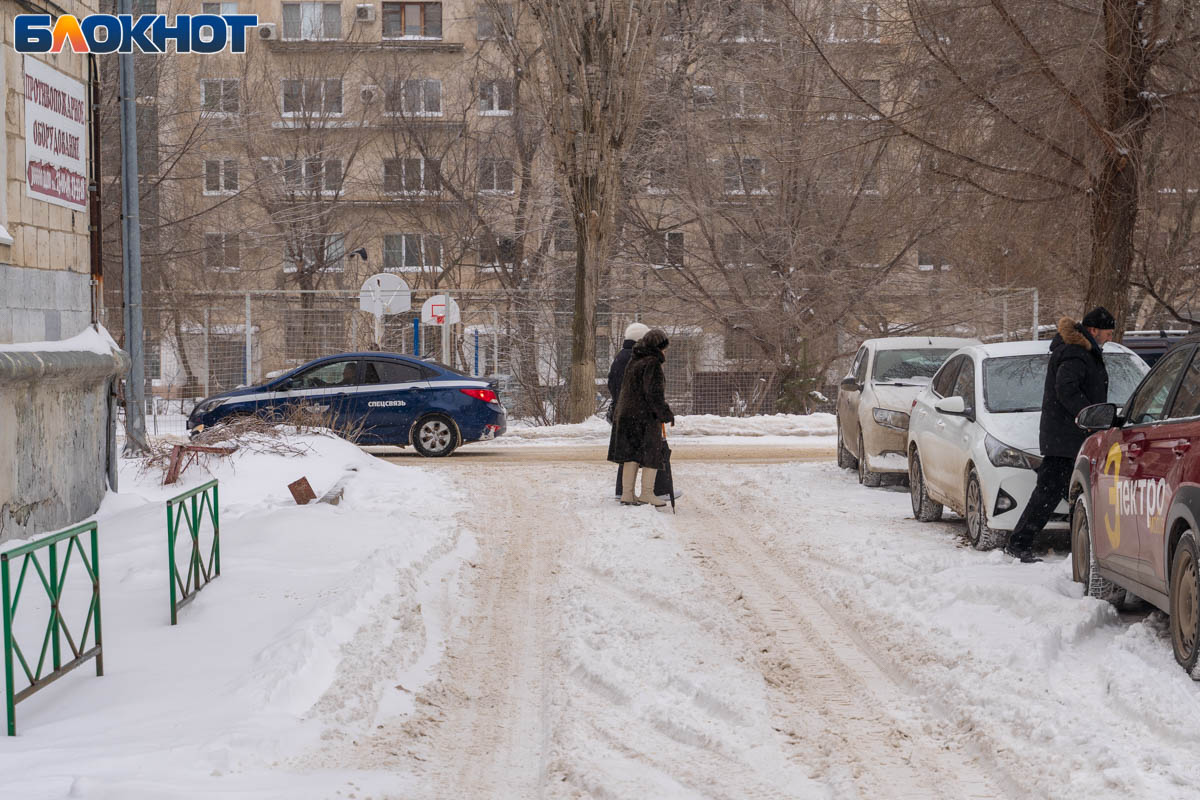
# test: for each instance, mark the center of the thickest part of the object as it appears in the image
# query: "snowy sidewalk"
(318, 613)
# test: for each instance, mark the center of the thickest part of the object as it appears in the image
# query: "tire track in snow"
(830, 686)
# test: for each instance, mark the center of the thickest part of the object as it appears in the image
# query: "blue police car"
(395, 399)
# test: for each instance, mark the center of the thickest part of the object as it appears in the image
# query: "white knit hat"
(636, 331)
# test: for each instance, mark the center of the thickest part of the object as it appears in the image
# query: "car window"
(943, 382)
(335, 373)
(1150, 402)
(1125, 372)
(916, 365)
(964, 386)
(1187, 398)
(860, 367)
(390, 372)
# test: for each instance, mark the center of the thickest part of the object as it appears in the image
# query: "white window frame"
(225, 237)
(507, 16)
(296, 179)
(304, 106)
(310, 6)
(333, 241)
(493, 162)
(222, 173)
(403, 163)
(664, 263)
(400, 92)
(739, 90)
(868, 30)
(741, 176)
(221, 112)
(426, 239)
(494, 99)
(222, 8)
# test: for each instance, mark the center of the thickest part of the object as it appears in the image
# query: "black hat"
(1100, 319)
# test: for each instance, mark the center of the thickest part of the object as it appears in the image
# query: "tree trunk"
(581, 388)
(1114, 190)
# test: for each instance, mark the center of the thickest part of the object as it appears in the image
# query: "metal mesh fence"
(207, 343)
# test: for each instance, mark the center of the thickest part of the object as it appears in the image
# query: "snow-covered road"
(788, 634)
(499, 628)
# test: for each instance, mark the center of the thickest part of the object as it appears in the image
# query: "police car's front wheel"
(435, 436)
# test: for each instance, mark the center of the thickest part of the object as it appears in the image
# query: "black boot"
(1023, 553)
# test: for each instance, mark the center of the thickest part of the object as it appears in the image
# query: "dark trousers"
(1054, 477)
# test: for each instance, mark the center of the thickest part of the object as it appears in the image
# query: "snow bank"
(317, 614)
(597, 429)
(91, 340)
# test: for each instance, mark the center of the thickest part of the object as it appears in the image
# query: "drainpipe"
(95, 235)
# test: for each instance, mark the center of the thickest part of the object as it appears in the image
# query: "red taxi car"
(1135, 498)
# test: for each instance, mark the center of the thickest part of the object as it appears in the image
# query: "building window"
(494, 22)
(745, 175)
(495, 251)
(215, 8)
(496, 96)
(854, 21)
(495, 175)
(312, 174)
(321, 96)
(412, 20)
(736, 250)
(312, 21)
(412, 175)
(744, 100)
(746, 21)
(221, 251)
(308, 255)
(406, 252)
(739, 344)
(220, 176)
(666, 248)
(930, 259)
(420, 97)
(703, 95)
(219, 96)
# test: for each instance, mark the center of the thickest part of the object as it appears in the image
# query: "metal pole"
(135, 407)
(417, 337)
(249, 345)
(207, 362)
(1035, 314)
(477, 352)
(446, 331)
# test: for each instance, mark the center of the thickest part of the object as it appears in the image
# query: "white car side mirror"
(951, 405)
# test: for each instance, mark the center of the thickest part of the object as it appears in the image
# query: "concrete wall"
(38, 305)
(54, 438)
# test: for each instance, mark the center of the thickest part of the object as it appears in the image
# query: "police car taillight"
(486, 395)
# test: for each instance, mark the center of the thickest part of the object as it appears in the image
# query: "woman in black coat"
(637, 423)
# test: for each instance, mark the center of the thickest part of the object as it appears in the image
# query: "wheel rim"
(974, 511)
(1183, 602)
(1081, 556)
(915, 490)
(435, 435)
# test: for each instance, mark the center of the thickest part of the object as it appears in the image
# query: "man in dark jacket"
(633, 335)
(1075, 379)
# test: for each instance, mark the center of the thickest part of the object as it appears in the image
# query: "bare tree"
(598, 55)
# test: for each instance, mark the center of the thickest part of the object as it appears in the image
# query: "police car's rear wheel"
(435, 436)
(1185, 605)
(1083, 559)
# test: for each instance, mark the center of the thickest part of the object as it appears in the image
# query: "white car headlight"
(1001, 455)
(891, 419)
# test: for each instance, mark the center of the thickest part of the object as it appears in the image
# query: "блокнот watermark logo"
(121, 33)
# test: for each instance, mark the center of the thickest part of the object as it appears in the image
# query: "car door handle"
(1181, 447)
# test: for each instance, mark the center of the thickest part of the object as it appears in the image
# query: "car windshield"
(908, 366)
(1016, 383)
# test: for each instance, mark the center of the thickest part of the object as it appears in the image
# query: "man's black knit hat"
(1100, 319)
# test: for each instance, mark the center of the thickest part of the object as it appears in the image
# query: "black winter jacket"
(616, 373)
(1075, 379)
(641, 411)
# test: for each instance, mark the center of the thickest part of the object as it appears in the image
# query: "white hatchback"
(973, 434)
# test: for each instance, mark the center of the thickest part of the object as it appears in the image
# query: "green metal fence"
(52, 576)
(191, 508)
